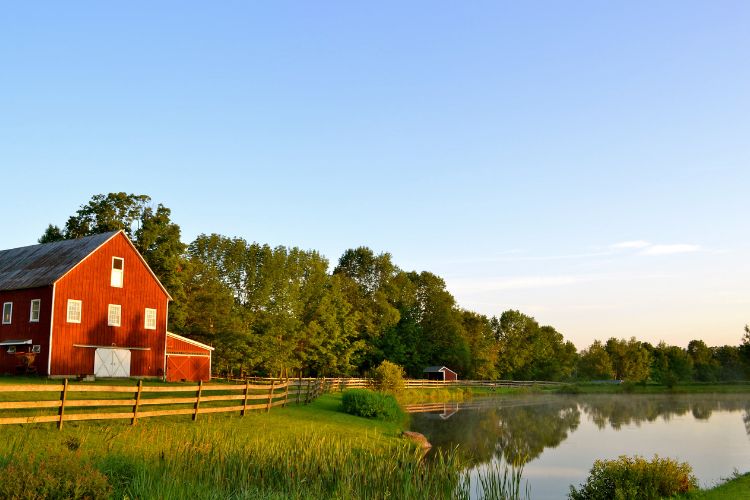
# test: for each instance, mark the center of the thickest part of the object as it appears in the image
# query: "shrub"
(636, 478)
(370, 404)
(52, 477)
(388, 377)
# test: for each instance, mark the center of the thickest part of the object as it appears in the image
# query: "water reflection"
(519, 429)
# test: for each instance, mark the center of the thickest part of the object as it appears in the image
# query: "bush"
(636, 478)
(370, 404)
(52, 477)
(388, 377)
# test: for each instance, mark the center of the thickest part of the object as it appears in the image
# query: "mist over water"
(557, 438)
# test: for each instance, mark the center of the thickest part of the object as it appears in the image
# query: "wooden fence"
(59, 403)
(340, 384)
(64, 402)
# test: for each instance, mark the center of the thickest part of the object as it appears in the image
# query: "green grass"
(312, 451)
(736, 488)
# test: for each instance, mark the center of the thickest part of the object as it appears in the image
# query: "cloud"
(669, 249)
(631, 244)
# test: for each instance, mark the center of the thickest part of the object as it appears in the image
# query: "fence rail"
(65, 402)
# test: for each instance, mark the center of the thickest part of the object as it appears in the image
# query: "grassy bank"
(735, 488)
(312, 451)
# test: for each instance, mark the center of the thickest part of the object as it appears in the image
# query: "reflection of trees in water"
(517, 432)
(617, 411)
(524, 432)
(520, 429)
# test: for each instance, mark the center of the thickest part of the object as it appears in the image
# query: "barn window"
(118, 265)
(150, 319)
(114, 315)
(35, 308)
(7, 312)
(74, 311)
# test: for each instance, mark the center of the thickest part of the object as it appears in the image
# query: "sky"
(585, 162)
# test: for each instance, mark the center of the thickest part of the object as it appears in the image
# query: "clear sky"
(585, 162)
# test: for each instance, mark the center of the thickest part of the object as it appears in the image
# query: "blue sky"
(585, 162)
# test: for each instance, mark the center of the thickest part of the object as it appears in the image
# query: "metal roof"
(42, 265)
(434, 369)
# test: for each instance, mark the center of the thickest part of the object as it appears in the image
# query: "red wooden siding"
(89, 282)
(178, 346)
(21, 328)
(190, 368)
(450, 375)
(186, 360)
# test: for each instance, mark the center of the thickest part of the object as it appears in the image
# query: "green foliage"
(529, 351)
(630, 359)
(595, 363)
(371, 404)
(388, 377)
(636, 478)
(51, 476)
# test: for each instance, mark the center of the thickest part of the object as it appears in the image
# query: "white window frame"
(36, 348)
(70, 318)
(112, 308)
(146, 324)
(38, 302)
(10, 314)
(116, 272)
(11, 349)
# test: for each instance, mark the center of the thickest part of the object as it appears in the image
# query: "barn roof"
(436, 369)
(43, 264)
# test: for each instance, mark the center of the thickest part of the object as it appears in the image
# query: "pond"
(557, 438)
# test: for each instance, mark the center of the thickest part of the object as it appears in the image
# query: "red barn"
(440, 373)
(89, 306)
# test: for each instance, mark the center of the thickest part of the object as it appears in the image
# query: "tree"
(705, 367)
(595, 363)
(51, 234)
(630, 359)
(367, 281)
(670, 364)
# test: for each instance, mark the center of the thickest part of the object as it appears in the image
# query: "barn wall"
(90, 283)
(449, 375)
(188, 368)
(180, 346)
(21, 328)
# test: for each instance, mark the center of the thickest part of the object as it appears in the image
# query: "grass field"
(312, 451)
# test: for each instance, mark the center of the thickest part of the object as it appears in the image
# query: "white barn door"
(112, 362)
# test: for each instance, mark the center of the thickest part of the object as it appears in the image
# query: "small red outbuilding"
(440, 373)
(187, 359)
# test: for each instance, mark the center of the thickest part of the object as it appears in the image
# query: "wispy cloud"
(669, 249)
(631, 244)
(647, 248)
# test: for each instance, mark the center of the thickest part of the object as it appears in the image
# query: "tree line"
(269, 309)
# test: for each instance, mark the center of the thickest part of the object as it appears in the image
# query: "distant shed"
(187, 359)
(440, 373)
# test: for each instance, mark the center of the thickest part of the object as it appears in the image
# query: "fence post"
(286, 392)
(270, 396)
(198, 400)
(63, 398)
(137, 402)
(244, 405)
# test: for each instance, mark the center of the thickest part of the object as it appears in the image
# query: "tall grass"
(304, 452)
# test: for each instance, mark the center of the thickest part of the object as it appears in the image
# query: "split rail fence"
(65, 402)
